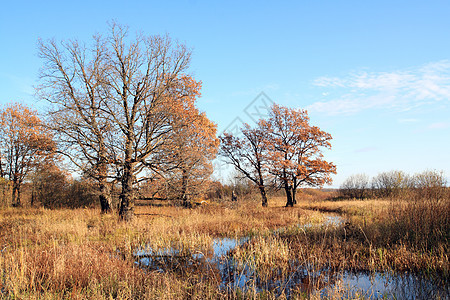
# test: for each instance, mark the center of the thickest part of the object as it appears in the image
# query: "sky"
(374, 74)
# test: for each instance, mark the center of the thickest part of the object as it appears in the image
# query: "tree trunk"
(126, 212)
(233, 196)
(16, 194)
(104, 197)
(262, 190)
(288, 190)
(294, 201)
(2, 174)
(127, 195)
(184, 196)
(294, 190)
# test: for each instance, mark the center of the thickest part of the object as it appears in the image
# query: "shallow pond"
(232, 276)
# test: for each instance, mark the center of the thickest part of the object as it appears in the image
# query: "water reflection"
(294, 279)
(387, 286)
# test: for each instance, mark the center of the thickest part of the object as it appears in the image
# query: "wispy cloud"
(439, 125)
(401, 89)
(366, 149)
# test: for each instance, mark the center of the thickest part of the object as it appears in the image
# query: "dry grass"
(235, 219)
(83, 254)
(80, 254)
(390, 234)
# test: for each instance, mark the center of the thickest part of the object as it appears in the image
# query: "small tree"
(247, 154)
(355, 186)
(24, 144)
(430, 184)
(390, 184)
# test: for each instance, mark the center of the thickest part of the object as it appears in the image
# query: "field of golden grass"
(81, 254)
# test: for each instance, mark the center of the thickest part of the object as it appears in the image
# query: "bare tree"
(72, 82)
(355, 186)
(128, 86)
(390, 184)
(247, 155)
(430, 184)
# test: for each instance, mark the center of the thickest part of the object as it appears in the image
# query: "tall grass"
(408, 232)
(81, 254)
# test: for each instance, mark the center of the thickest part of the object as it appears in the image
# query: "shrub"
(391, 184)
(356, 186)
(430, 185)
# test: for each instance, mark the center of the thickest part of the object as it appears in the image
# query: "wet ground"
(297, 278)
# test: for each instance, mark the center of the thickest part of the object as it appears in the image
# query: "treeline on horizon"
(429, 184)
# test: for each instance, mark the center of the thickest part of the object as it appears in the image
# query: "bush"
(430, 185)
(49, 186)
(356, 186)
(82, 193)
(391, 184)
(54, 188)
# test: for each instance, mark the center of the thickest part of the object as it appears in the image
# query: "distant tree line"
(426, 184)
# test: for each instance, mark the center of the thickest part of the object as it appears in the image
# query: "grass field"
(81, 254)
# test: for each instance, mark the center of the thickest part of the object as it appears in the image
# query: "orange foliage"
(24, 143)
(294, 149)
(285, 146)
(185, 158)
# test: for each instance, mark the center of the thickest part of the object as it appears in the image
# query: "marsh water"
(233, 276)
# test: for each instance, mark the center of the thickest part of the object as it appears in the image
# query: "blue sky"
(375, 74)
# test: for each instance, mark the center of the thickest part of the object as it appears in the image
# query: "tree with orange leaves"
(24, 143)
(285, 146)
(193, 147)
(183, 163)
(294, 150)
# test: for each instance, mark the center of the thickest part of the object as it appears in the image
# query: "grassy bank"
(78, 254)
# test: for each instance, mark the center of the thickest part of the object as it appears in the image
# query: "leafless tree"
(72, 82)
(355, 186)
(119, 92)
(247, 154)
(390, 184)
